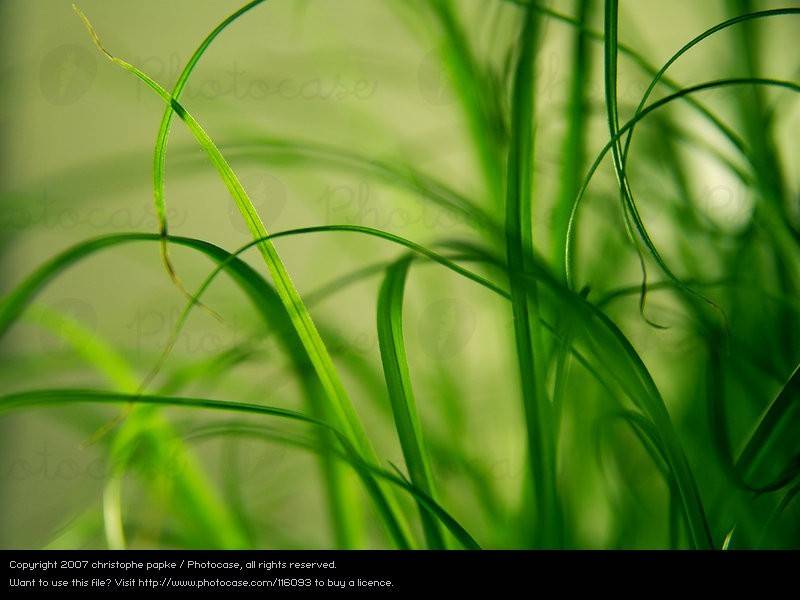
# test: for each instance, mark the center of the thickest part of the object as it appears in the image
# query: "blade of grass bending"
(519, 246)
(591, 323)
(261, 294)
(633, 222)
(719, 83)
(339, 403)
(160, 151)
(401, 394)
(692, 43)
(56, 397)
(632, 218)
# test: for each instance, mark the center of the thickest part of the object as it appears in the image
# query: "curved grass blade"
(261, 294)
(719, 83)
(692, 43)
(160, 151)
(604, 341)
(401, 393)
(641, 62)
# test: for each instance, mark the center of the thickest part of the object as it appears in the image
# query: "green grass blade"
(642, 63)
(615, 356)
(401, 393)
(771, 457)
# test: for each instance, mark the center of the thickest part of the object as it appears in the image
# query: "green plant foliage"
(460, 326)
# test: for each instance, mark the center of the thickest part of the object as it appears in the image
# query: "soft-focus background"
(291, 92)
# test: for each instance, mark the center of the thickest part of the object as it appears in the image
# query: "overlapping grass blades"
(339, 404)
(160, 152)
(43, 398)
(193, 499)
(519, 247)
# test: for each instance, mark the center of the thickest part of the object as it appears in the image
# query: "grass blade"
(401, 394)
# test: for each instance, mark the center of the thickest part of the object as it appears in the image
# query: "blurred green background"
(291, 93)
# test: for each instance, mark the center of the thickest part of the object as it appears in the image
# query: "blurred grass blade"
(194, 495)
(471, 89)
(574, 145)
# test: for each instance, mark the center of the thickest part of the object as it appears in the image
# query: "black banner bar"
(540, 572)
